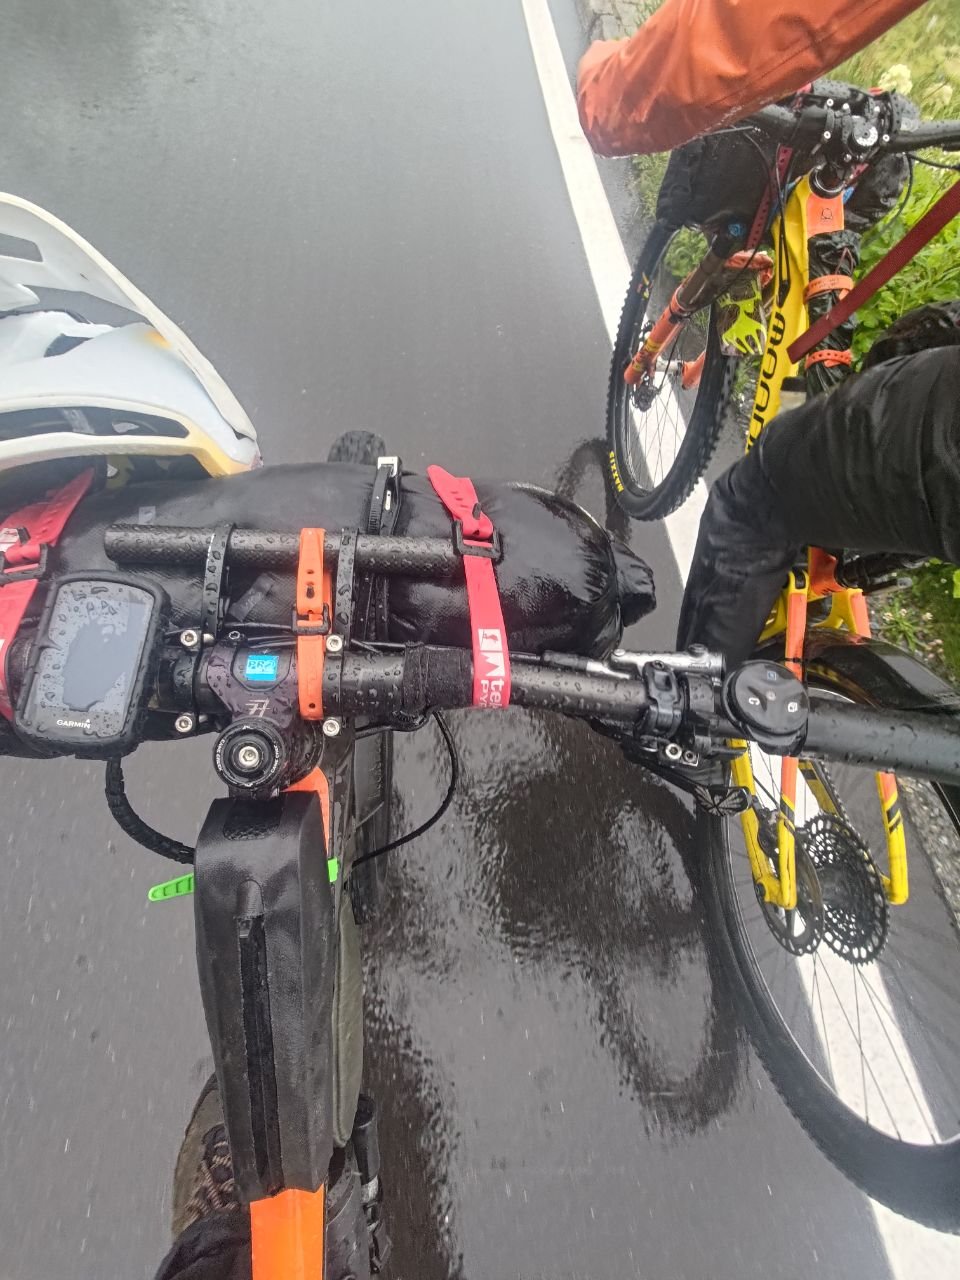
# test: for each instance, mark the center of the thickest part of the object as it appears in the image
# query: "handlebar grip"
(423, 678)
(923, 743)
(929, 133)
(776, 122)
(409, 682)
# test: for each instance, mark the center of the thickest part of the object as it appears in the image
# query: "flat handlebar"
(814, 123)
(397, 685)
(676, 699)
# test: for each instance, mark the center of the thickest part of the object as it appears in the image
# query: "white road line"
(913, 1252)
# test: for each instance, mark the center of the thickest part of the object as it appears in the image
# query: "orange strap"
(829, 358)
(749, 260)
(313, 622)
(828, 284)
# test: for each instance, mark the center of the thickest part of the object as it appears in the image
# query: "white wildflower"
(897, 78)
(941, 96)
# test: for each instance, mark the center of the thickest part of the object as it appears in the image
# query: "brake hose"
(134, 826)
(441, 809)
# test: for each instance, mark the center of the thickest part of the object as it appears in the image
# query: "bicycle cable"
(137, 829)
(441, 808)
(130, 821)
(891, 218)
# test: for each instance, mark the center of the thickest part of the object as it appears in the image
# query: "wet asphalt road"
(358, 214)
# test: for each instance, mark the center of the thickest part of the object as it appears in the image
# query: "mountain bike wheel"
(860, 1029)
(659, 447)
(373, 756)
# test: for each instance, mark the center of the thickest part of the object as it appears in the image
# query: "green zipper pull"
(183, 885)
(178, 888)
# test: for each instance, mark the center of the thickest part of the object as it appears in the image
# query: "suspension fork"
(848, 611)
(779, 888)
(699, 287)
(851, 604)
(789, 767)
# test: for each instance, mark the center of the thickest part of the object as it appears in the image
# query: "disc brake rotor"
(855, 915)
(799, 930)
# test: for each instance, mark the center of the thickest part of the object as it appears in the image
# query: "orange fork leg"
(897, 884)
(692, 371)
(664, 331)
(786, 823)
(287, 1236)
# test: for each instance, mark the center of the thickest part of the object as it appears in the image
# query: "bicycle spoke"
(899, 1061)
(864, 1064)
(823, 1019)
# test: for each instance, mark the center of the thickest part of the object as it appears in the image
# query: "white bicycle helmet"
(90, 367)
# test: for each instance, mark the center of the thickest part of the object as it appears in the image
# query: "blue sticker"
(262, 666)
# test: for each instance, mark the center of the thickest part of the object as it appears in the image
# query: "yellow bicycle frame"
(805, 214)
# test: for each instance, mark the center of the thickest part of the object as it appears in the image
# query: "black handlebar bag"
(564, 582)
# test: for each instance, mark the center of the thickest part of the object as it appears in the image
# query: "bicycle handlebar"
(672, 704)
(819, 124)
(660, 703)
(423, 678)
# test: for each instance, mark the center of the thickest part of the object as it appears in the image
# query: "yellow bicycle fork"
(777, 877)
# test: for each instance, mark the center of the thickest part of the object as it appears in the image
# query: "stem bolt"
(249, 757)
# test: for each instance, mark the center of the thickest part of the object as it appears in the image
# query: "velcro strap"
(312, 622)
(476, 540)
(829, 358)
(24, 540)
(777, 176)
(828, 284)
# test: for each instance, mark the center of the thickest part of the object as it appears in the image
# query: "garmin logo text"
(73, 724)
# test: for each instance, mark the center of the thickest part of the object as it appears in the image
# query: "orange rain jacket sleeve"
(699, 64)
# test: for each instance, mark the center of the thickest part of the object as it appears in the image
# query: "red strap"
(491, 658)
(932, 222)
(23, 541)
(759, 225)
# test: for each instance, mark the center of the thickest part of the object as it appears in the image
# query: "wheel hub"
(800, 930)
(644, 393)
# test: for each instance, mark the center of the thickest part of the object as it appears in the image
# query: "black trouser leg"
(875, 467)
